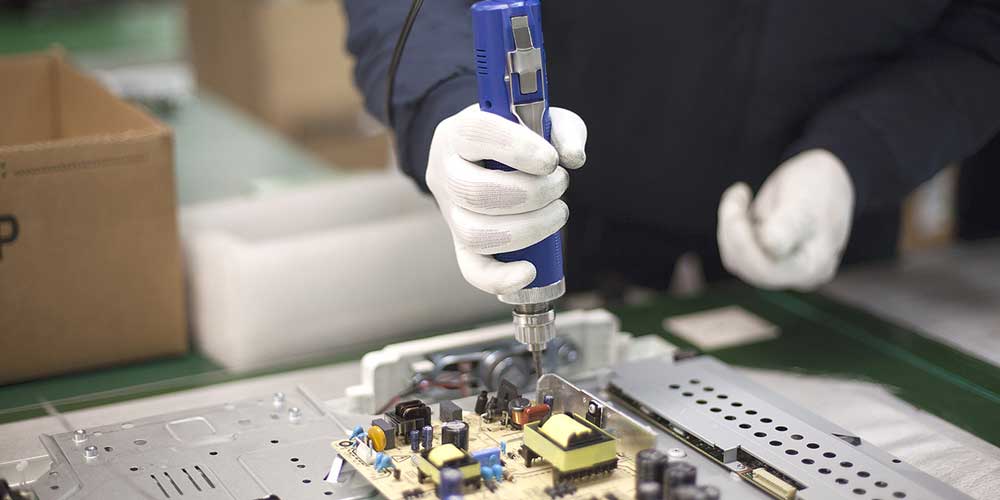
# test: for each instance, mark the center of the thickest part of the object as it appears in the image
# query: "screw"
(90, 452)
(79, 436)
(740, 466)
(676, 453)
(294, 414)
(278, 399)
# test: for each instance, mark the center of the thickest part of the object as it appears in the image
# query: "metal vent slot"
(193, 482)
(706, 404)
(160, 486)
(205, 477)
(185, 481)
(173, 483)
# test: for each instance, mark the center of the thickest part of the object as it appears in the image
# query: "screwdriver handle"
(513, 83)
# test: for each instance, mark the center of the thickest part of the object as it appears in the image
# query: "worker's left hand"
(793, 233)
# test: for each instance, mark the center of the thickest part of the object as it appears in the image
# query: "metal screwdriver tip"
(536, 357)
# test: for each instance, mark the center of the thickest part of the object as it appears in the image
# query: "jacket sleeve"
(435, 78)
(938, 103)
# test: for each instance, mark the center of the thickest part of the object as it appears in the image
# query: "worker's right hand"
(494, 211)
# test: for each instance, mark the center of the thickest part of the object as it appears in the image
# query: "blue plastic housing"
(494, 39)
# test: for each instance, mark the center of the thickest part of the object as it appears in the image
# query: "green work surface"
(110, 33)
(818, 336)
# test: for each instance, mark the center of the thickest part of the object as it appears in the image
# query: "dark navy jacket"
(684, 97)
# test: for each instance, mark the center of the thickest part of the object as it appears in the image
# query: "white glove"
(794, 232)
(492, 211)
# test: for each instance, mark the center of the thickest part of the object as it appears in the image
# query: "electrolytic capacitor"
(455, 432)
(649, 466)
(648, 490)
(427, 437)
(710, 492)
(686, 492)
(549, 400)
(450, 485)
(414, 440)
(679, 474)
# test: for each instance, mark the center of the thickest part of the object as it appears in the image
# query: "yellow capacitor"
(377, 437)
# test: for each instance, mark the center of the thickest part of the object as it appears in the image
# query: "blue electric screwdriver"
(510, 69)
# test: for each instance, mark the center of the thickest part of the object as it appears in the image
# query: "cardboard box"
(90, 272)
(285, 62)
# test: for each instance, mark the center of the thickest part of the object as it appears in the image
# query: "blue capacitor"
(487, 456)
(427, 437)
(357, 432)
(378, 460)
(503, 447)
(385, 463)
(451, 483)
(487, 472)
(498, 472)
(414, 440)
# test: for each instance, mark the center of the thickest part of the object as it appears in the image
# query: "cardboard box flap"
(46, 100)
(27, 84)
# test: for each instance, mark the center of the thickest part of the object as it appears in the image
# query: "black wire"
(397, 54)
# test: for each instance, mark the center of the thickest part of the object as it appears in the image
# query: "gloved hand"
(492, 211)
(793, 233)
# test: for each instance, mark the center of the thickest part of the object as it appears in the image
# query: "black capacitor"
(481, 402)
(686, 492)
(455, 432)
(679, 474)
(648, 490)
(649, 466)
(710, 492)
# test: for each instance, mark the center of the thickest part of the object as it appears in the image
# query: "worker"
(772, 139)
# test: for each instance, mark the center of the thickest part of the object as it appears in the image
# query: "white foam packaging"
(310, 271)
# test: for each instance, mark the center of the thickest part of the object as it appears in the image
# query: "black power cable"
(397, 54)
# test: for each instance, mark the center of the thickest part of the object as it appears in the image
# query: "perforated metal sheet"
(703, 400)
(233, 451)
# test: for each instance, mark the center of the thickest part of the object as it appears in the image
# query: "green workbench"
(818, 336)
